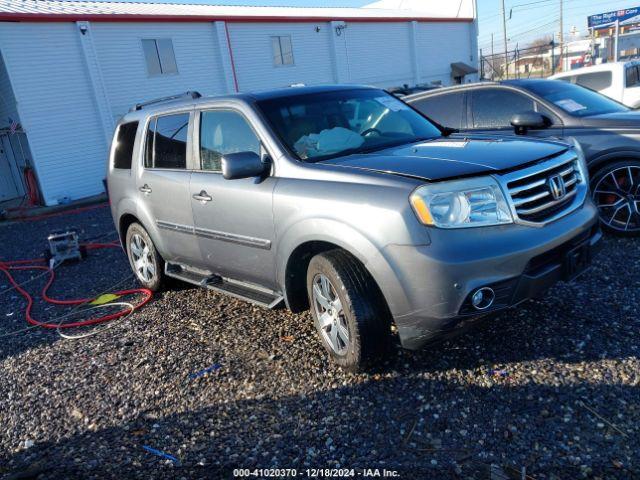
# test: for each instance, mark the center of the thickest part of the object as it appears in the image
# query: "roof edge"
(116, 17)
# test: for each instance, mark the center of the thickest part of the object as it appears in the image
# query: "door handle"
(145, 189)
(203, 197)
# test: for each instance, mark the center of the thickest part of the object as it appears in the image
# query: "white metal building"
(70, 69)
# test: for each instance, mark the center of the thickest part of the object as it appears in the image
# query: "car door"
(233, 218)
(163, 185)
(490, 111)
(447, 109)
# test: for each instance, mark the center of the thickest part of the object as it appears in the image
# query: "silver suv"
(350, 203)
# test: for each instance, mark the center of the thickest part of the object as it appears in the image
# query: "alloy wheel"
(143, 261)
(617, 196)
(330, 319)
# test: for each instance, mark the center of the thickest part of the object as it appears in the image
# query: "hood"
(451, 157)
(617, 119)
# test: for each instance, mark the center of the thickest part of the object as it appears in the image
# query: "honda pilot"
(347, 202)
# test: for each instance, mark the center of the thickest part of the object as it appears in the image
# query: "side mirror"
(242, 165)
(525, 121)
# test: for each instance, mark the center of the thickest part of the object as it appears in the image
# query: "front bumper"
(517, 262)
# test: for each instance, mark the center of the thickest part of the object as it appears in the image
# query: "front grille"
(532, 193)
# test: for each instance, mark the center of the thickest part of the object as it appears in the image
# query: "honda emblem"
(556, 186)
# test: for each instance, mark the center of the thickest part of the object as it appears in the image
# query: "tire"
(363, 319)
(151, 278)
(615, 187)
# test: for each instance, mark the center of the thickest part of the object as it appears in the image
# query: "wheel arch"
(308, 239)
(124, 222)
(597, 162)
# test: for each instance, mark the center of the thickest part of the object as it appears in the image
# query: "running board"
(241, 290)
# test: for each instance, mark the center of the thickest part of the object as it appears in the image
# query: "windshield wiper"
(396, 144)
(373, 148)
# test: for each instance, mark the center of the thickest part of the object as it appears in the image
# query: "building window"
(159, 56)
(282, 50)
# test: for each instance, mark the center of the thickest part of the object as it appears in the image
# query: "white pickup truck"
(618, 80)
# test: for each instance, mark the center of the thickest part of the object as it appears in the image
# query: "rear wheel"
(616, 193)
(145, 261)
(352, 319)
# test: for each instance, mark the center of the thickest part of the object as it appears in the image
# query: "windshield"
(574, 99)
(320, 126)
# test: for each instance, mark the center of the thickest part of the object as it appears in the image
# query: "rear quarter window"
(124, 145)
(446, 109)
(632, 76)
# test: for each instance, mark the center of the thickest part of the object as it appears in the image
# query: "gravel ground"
(552, 387)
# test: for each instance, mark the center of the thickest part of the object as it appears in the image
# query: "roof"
(72, 10)
(461, 8)
(603, 67)
(518, 83)
(156, 106)
(293, 91)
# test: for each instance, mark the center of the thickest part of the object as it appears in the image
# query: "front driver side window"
(223, 132)
(494, 107)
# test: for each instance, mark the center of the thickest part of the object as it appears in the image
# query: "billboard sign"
(625, 17)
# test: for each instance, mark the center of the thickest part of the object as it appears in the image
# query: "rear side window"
(124, 145)
(167, 142)
(595, 81)
(632, 76)
(494, 107)
(446, 109)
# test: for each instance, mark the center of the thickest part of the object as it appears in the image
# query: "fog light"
(483, 298)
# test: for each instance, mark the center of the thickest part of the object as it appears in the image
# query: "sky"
(533, 19)
(529, 19)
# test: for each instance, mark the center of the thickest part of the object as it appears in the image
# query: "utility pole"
(493, 62)
(561, 36)
(504, 32)
(615, 43)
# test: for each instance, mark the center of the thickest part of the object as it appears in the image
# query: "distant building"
(70, 69)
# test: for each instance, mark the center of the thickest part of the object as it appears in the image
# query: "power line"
(485, 38)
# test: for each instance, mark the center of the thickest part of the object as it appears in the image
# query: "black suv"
(607, 131)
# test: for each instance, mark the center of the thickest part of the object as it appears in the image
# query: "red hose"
(32, 187)
(6, 268)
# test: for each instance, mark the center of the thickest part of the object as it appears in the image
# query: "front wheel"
(145, 261)
(616, 193)
(349, 313)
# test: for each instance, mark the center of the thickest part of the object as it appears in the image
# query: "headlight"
(477, 202)
(582, 161)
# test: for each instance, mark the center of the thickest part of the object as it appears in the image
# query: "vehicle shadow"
(423, 429)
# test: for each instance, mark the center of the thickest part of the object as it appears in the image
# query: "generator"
(64, 245)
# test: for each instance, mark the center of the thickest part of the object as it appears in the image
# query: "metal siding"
(7, 99)
(439, 45)
(378, 53)
(56, 106)
(57, 103)
(253, 55)
(124, 69)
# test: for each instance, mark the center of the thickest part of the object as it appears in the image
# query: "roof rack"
(189, 94)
